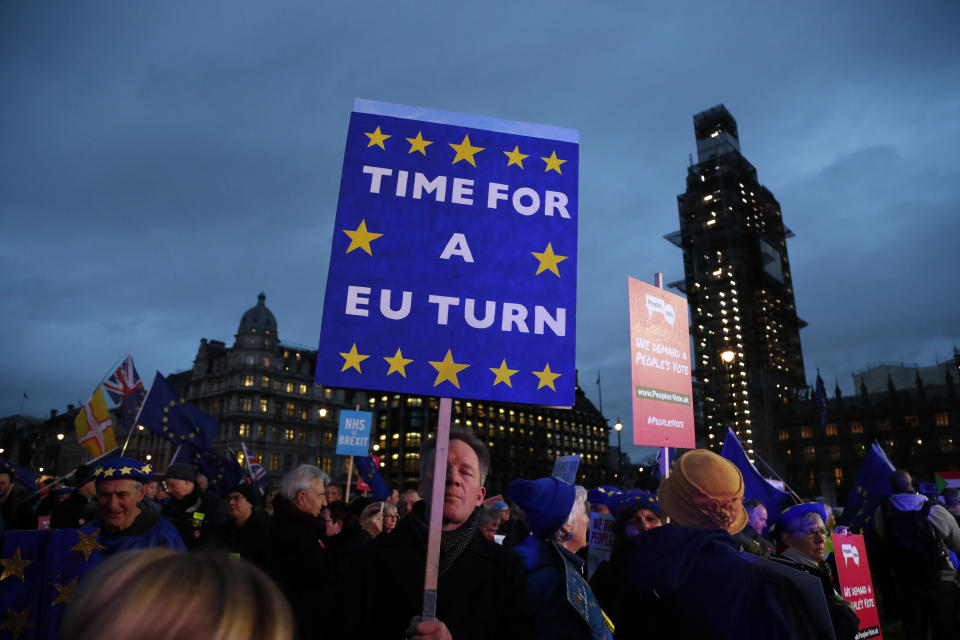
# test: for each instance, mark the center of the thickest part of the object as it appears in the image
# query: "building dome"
(258, 319)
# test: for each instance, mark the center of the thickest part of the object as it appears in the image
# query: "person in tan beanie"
(687, 579)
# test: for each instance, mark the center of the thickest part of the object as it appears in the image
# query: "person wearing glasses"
(802, 531)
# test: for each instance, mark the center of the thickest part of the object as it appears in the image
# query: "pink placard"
(856, 586)
(661, 386)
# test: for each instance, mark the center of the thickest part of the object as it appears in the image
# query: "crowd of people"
(693, 560)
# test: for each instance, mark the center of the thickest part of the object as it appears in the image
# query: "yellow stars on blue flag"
(503, 373)
(65, 592)
(447, 370)
(87, 543)
(465, 151)
(377, 138)
(548, 260)
(352, 359)
(515, 157)
(360, 238)
(398, 363)
(546, 377)
(419, 144)
(553, 162)
(14, 566)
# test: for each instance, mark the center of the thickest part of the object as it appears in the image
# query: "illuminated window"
(265, 382)
(246, 404)
(266, 361)
(274, 462)
(838, 475)
(247, 381)
(856, 427)
(832, 429)
(412, 440)
(302, 437)
(243, 430)
(946, 443)
(289, 387)
(263, 405)
(806, 432)
(288, 435)
(809, 453)
(942, 419)
(303, 389)
(260, 432)
(327, 438)
(303, 413)
(783, 434)
(911, 422)
(291, 409)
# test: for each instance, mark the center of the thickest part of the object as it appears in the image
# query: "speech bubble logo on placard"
(849, 551)
(657, 305)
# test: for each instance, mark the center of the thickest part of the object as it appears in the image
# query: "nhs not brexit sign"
(454, 258)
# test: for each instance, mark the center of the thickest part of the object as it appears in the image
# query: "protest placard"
(601, 540)
(353, 435)
(565, 468)
(662, 387)
(856, 585)
(454, 258)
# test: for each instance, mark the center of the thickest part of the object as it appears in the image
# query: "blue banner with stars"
(453, 267)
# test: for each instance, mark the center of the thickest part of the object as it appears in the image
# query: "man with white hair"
(297, 559)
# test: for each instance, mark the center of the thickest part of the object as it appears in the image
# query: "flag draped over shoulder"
(367, 469)
(168, 415)
(24, 476)
(126, 390)
(873, 485)
(820, 399)
(94, 427)
(755, 486)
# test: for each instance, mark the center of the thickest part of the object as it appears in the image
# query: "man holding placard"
(482, 586)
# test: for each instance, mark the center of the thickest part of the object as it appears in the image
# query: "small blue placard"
(565, 468)
(453, 266)
(353, 437)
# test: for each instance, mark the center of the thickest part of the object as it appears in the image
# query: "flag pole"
(664, 451)
(436, 497)
(136, 420)
(349, 476)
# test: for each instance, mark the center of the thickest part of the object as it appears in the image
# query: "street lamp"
(618, 427)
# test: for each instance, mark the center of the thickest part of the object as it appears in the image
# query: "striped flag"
(946, 480)
(94, 427)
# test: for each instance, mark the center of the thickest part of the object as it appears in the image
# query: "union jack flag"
(258, 474)
(124, 381)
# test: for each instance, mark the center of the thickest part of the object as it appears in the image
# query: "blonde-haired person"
(159, 594)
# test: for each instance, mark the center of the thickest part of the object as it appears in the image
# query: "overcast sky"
(162, 163)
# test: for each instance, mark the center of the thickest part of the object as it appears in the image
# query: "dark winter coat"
(198, 517)
(845, 622)
(303, 567)
(251, 540)
(482, 595)
(684, 582)
(73, 512)
(550, 568)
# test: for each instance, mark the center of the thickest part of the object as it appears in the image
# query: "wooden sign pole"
(436, 511)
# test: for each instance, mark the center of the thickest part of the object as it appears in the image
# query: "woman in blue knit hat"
(560, 599)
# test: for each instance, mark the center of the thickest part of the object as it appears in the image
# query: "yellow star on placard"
(17, 621)
(546, 377)
(419, 144)
(553, 162)
(548, 260)
(516, 157)
(64, 592)
(124, 471)
(465, 151)
(503, 373)
(145, 469)
(14, 566)
(397, 363)
(352, 359)
(361, 238)
(447, 370)
(87, 544)
(377, 138)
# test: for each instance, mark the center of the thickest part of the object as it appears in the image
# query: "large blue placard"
(353, 436)
(454, 260)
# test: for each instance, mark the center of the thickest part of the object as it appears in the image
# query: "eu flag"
(873, 485)
(367, 468)
(755, 486)
(20, 474)
(168, 415)
(223, 472)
